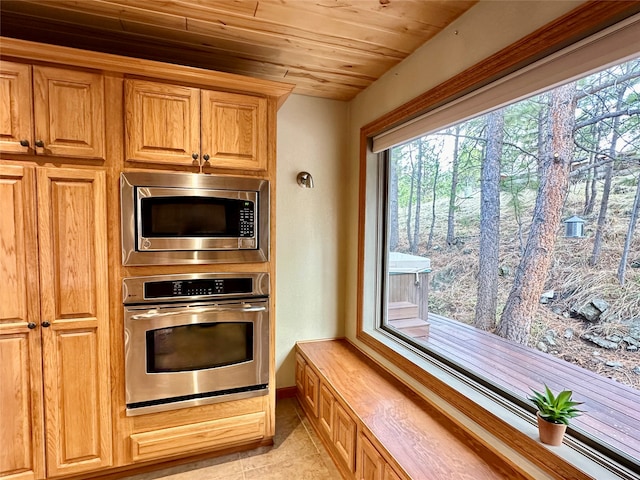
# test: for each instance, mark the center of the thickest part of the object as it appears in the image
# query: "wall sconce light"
(305, 180)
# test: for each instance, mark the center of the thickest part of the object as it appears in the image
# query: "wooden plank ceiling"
(328, 48)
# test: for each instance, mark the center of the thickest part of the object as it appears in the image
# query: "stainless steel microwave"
(181, 218)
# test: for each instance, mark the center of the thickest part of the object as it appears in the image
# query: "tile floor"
(297, 454)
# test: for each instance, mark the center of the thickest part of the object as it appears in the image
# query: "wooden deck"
(612, 410)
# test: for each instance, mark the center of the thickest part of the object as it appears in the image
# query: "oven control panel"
(199, 287)
(193, 286)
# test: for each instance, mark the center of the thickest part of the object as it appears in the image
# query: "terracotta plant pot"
(550, 433)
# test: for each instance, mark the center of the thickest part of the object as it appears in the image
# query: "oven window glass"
(191, 216)
(196, 347)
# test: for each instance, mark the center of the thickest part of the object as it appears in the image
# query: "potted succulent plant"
(554, 413)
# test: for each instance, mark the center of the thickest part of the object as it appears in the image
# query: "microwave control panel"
(247, 220)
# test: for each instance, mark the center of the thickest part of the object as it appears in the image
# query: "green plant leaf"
(558, 408)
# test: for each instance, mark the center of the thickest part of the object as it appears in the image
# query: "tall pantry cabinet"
(54, 313)
(54, 394)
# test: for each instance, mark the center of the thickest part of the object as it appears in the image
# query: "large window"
(504, 240)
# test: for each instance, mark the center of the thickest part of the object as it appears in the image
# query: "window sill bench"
(375, 427)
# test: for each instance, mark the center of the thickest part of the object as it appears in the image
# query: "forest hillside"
(571, 284)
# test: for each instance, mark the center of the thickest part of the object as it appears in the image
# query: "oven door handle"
(157, 312)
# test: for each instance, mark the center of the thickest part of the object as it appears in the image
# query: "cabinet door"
(390, 474)
(21, 421)
(370, 464)
(325, 411)
(311, 386)
(74, 310)
(344, 436)
(162, 122)
(15, 107)
(234, 130)
(69, 112)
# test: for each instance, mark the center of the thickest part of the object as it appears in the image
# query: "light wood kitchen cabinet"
(311, 389)
(390, 474)
(234, 130)
(178, 125)
(21, 428)
(16, 117)
(344, 436)
(333, 421)
(225, 432)
(54, 323)
(370, 464)
(325, 411)
(51, 111)
(162, 123)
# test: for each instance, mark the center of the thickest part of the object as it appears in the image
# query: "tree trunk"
(591, 183)
(410, 202)
(627, 241)
(393, 228)
(416, 221)
(543, 131)
(604, 204)
(602, 216)
(530, 276)
(454, 188)
(433, 203)
(487, 300)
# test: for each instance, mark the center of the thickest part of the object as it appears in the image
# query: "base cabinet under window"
(342, 433)
(325, 411)
(370, 464)
(344, 436)
(311, 389)
(338, 427)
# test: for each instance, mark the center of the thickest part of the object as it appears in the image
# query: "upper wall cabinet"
(234, 130)
(176, 125)
(51, 111)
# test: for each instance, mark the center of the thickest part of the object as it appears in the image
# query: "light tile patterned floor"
(297, 454)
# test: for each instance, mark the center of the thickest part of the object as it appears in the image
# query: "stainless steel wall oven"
(181, 218)
(192, 339)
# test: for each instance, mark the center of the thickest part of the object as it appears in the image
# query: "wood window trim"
(576, 25)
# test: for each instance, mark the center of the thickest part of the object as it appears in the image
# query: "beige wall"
(312, 135)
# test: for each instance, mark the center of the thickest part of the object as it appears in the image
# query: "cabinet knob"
(39, 143)
(31, 325)
(24, 143)
(46, 324)
(194, 156)
(206, 157)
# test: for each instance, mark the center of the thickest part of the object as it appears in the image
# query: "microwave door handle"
(155, 313)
